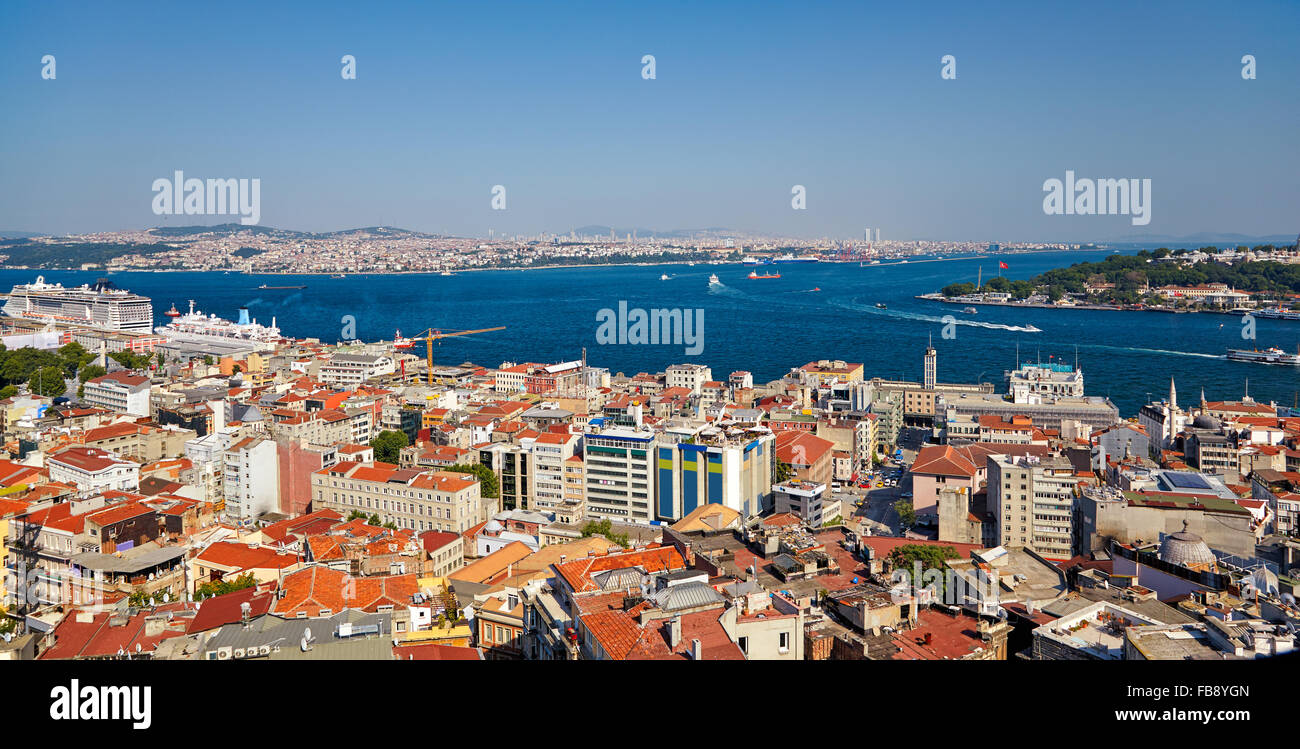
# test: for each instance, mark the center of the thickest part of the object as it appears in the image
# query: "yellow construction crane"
(432, 335)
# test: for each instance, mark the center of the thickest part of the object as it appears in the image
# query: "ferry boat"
(754, 274)
(713, 280)
(970, 311)
(1271, 355)
(197, 328)
(338, 275)
(446, 273)
(751, 260)
(1278, 313)
(402, 343)
(663, 277)
(101, 306)
(881, 305)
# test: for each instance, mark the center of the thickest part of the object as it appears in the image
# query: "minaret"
(1173, 396)
(931, 364)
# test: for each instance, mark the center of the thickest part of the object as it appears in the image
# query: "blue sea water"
(765, 326)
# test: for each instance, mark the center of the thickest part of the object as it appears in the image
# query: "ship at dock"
(197, 328)
(1272, 355)
(99, 306)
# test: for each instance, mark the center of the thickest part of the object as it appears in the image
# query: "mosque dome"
(1185, 548)
(1206, 421)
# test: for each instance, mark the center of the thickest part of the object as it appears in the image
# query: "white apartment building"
(551, 452)
(93, 470)
(690, 376)
(251, 479)
(120, 391)
(620, 480)
(351, 370)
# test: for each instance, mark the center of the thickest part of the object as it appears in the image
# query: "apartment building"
(407, 497)
(123, 392)
(93, 470)
(250, 479)
(1032, 500)
(551, 452)
(620, 481)
(689, 376)
(352, 370)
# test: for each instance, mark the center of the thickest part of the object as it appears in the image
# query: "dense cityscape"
(217, 490)
(386, 250)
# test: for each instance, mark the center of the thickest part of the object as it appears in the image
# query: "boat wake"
(941, 320)
(1156, 351)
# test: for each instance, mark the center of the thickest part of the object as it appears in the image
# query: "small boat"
(663, 277)
(970, 311)
(817, 288)
(338, 275)
(881, 305)
(1033, 329)
(713, 279)
(264, 286)
(753, 274)
(402, 343)
(446, 273)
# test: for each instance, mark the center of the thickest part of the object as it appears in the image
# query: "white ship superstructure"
(196, 327)
(100, 306)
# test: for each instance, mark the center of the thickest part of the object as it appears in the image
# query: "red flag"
(1003, 265)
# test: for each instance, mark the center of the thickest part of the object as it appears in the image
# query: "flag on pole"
(1003, 265)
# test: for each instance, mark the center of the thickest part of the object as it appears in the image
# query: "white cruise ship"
(101, 306)
(196, 327)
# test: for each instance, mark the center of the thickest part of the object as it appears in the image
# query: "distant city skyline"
(551, 104)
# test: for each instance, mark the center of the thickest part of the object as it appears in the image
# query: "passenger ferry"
(1271, 355)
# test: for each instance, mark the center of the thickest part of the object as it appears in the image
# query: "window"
(785, 642)
(743, 642)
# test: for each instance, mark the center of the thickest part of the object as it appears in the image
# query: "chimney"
(929, 636)
(675, 632)
(697, 650)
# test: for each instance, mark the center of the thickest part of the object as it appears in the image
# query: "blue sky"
(750, 99)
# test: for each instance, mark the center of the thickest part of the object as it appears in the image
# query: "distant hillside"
(22, 252)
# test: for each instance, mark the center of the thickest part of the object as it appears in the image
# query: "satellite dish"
(306, 633)
(167, 597)
(137, 647)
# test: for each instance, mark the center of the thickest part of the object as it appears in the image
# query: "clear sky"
(749, 99)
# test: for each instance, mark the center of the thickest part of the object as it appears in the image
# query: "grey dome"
(1206, 421)
(1185, 548)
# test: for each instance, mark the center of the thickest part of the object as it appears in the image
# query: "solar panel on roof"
(1187, 480)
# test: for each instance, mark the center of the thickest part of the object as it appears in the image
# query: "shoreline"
(457, 271)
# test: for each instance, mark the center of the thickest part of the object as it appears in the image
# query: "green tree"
(958, 289)
(356, 515)
(221, 587)
(374, 518)
(606, 529)
(8, 391)
(784, 471)
(130, 359)
(491, 485)
(388, 445)
(90, 372)
(906, 513)
(48, 381)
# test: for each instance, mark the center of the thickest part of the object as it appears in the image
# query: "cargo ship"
(754, 274)
(264, 286)
(1272, 355)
